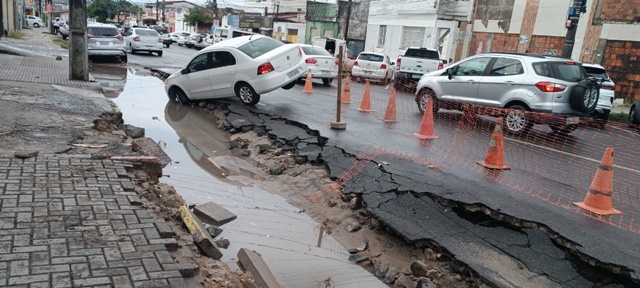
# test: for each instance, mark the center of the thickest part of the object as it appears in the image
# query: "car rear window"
(103, 31)
(260, 46)
(146, 32)
(238, 34)
(371, 57)
(422, 53)
(596, 72)
(315, 51)
(567, 71)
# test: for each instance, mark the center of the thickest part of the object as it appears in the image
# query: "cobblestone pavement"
(71, 221)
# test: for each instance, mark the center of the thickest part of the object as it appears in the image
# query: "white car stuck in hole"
(246, 67)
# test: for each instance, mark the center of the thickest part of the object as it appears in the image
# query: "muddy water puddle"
(205, 170)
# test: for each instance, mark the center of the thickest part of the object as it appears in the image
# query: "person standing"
(56, 26)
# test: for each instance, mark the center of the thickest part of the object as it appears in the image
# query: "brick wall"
(620, 10)
(546, 45)
(621, 62)
(591, 37)
(494, 42)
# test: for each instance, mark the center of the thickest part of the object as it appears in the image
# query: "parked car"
(607, 92)
(245, 66)
(201, 41)
(415, 62)
(225, 33)
(634, 115)
(63, 30)
(521, 82)
(143, 39)
(34, 21)
(104, 40)
(320, 63)
(193, 39)
(332, 45)
(373, 66)
(174, 37)
(184, 36)
(166, 39)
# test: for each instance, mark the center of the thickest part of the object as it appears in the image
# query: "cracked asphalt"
(400, 192)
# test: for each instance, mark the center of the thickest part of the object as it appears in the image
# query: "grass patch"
(619, 117)
(17, 35)
(114, 106)
(63, 43)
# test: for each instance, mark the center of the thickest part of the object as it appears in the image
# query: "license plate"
(293, 73)
(416, 76)
(573, 120)
(149, 45)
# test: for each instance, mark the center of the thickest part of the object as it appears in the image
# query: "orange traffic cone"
(390, 114)
(495, 155)
(345, 97)
(308, 84)
(426, 126)
(365, 105)
(598, 199)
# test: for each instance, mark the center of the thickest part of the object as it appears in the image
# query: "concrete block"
(148, 147)
(213, 213)
(200, 234)
(252, 262)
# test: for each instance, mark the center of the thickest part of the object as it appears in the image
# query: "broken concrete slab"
(252, 262)
(133, 131)
(148, 147)
(200, 234)
(149, 164)
(214, 214)
(26, 154)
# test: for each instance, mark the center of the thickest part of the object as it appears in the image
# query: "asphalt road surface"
(173, 58)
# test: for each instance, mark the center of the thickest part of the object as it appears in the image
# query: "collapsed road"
(457, 213)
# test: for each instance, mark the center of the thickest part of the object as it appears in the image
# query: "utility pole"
(118, 11)
(157, 4)
(573, 15)
(163, 17)
(78, 58)
(346, 25)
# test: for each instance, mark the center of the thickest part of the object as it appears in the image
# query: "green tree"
(199, 15)
(101, 9)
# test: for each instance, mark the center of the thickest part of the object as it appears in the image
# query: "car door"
(501, 83)
(463, 85)
(196, 82)
(222, 74)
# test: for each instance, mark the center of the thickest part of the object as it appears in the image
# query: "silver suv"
(104, 40)
(518, 81)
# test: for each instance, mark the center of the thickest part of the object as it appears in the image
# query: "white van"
(224, 33)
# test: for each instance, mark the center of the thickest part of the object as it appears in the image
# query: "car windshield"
(146, 32)
(596, 72)
(422, 53)
(260, 46)
(103, 31)
(315, 51)
(371, 57)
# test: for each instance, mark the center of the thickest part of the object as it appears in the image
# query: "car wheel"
(131, 49)
(247, 95)
(36, 25)
(181, 97)
(633, 117)
(327, 81)
(64, 37)
(159, 53)
(150, 52)
(563, 129)
(166, 45)
(423, 100)
(584, 97)
(517, 120)
(289, 86)
(180, 44)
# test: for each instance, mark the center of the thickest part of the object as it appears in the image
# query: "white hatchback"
(34, 21)
(143, 39)
(320, 63)
(373, 66)
(245, 67)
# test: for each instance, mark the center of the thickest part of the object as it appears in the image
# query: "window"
(224, 33)
(315, 51)
(596, 72)
(259, 46)
(412, 37)
(103, 31)
(506, 67)
(143, 32)
(472, 67)
(314, 31)
(327, 33)
(222, 59)
(382, 35)
(370, 57)
(199, 63)
(423, 53)
(292, 31)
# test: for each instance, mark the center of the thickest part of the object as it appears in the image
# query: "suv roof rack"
(518, 53)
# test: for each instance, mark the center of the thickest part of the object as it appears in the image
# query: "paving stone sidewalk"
(39, 70)
(72, 221)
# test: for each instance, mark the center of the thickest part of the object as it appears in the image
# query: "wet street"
(203, 170)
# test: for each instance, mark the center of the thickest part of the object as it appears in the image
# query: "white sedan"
(373, 66)
(245, 67)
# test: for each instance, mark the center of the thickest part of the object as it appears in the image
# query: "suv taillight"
(440, 65)
(398, 63)
(119, 37)
(550, 87)
(265, 68)
(608, 87)
(136, 38)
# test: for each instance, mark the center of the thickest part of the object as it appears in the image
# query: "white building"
(395, 25)
(289, 31)
(257, 6)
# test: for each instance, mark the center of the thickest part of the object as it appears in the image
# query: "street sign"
(49, 8)
(216, 22)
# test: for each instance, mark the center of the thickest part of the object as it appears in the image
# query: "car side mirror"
(450, 73)
(393, 63)
(184, 71)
